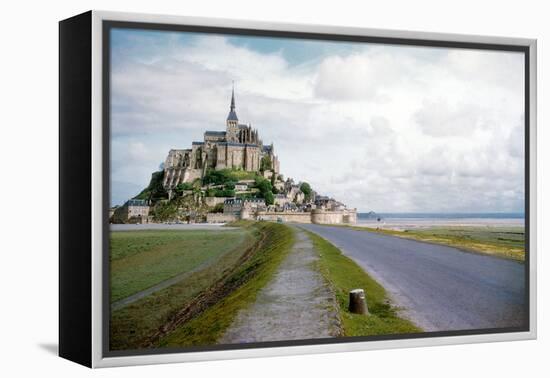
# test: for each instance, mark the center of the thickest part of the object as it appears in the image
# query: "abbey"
(238, 147)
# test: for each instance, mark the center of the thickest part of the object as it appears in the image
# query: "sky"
(382, 128)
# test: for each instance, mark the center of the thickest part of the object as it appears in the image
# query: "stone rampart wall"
(220, 218)
(327, 217)
(287, 217)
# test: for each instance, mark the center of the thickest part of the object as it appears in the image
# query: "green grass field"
(213, 251)
(209, 326)
(507, 242)
(344, 275)
(141, 259)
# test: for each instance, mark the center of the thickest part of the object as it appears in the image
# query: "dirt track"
(296, 304)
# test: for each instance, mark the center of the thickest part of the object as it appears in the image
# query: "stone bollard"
(357, 302)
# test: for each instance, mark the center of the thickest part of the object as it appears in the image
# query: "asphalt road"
(439, 288)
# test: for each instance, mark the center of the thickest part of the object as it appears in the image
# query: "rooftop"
(217, 133)
(231, 201)
(136, 202)
(237, 144)
(232, 116)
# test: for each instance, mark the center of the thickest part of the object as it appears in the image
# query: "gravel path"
(297, 303)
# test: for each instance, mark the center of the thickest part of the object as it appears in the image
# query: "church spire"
(232, 116)
(233, 97)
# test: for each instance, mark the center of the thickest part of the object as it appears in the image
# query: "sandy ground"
(400, 224)
(296, 304)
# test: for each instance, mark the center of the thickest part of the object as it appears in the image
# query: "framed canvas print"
(234, 189)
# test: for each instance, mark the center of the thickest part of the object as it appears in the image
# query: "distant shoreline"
(417, 223)
(402, 221)
(503, 215)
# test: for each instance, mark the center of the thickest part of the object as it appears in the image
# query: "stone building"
(280, 200)
(133, 211)
(241, 187)
(238, 147)
(244, 208)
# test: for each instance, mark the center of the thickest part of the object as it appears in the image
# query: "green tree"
(306, 189)
(266, 190)
(265, 163)
(262, 184)
(269, 198)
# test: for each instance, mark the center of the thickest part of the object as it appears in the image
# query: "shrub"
(218, 208)
(180, 188)
(215, 177)
(225, 193)
(230, 185)
(226, 176)
(220, 193)
(154, 190)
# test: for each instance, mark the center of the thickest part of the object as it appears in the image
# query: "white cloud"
(438, 118)
(382, 128)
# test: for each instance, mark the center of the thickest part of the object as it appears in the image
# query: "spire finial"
(233, 95)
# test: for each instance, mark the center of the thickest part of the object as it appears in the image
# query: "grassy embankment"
(507, 242)
(141, 259)
(197, 310)
(210, 325)
(344, 275)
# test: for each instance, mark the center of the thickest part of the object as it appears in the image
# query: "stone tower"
(232, 123)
